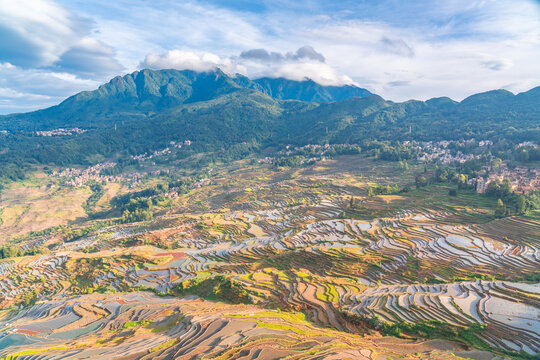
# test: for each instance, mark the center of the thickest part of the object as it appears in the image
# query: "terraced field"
(268, 264)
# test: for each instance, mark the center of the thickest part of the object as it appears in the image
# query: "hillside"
(180, 219)
(146, 110)
(125, 98)
(307, 90)
(269, 260)
(148, 92)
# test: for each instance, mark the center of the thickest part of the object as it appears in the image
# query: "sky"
(51, 49)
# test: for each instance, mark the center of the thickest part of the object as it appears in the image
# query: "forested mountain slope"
(147, 109)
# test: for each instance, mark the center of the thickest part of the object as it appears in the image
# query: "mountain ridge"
(146, 92)
(305, 90)
(146, 110)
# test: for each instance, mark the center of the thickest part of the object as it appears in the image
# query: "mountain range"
(147, 109)
(148, 92)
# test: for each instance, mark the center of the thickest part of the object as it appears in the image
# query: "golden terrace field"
(38, 203)
(266, 263)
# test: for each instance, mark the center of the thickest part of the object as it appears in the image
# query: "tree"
(500, 210)
(496, 163)
(521, 205)
(403, 165)
(421, 181)
(506, 188)
(462, 181)
(8, 252)
(493, 188)
(370, 192)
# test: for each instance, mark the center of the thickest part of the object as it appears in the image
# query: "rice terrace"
(284, 261)
(264, 180)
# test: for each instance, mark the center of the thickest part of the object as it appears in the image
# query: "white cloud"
(41, 34)
(304, 64)
(38, 32)
(89, 57)
(187, 60)
(32, 89)
(490, 45)
(400, 50)
(137, 28)
(304, 53)
(321, 73)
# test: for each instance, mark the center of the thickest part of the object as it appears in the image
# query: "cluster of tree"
(87, 270)
(382, 189)
(328, 150)
(120, 166)
(98, 190)
(397, 153)
(291, 161)
(217, 287)
(306, 155)
(71, 234)
(123, 201)
(509, 203)
(9, 251)
(526, 154)
(422, 180)
(29, 298)
(136, 215)
(456, 173)
(452, 175)
(137, 206)
(12, 171)
(134, 200)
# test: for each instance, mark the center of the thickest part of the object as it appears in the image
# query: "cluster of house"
(78, 177)
(61, 132)
(444, 157)
(266, 160)
(289, 149)
(167, 150)
(439, 152)
(201, 183)
(527, 144)
(522, 180)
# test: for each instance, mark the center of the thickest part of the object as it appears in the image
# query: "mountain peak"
(488, 97)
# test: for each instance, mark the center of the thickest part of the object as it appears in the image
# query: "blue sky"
(50, 49)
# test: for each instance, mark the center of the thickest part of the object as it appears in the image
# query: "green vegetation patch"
(217, 288)
(133, 324)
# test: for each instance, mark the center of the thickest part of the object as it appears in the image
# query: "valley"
(248, 260)
(269, 180)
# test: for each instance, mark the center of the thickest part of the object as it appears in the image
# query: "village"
(441, 153)
(522, 179)
(61, 132)
(80, 177)
(166, 151)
